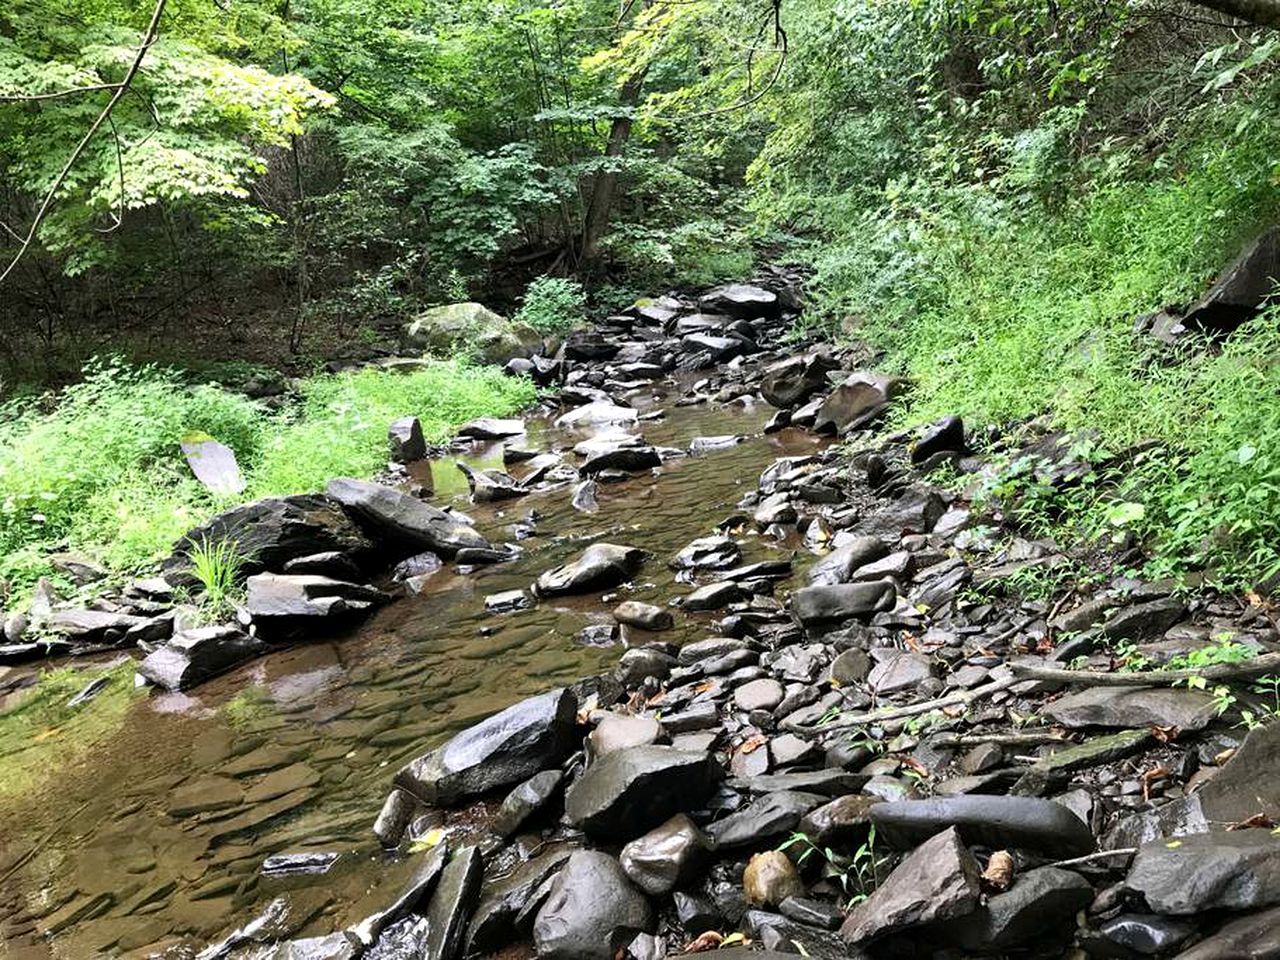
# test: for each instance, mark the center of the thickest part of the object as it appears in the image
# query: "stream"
(150, 841)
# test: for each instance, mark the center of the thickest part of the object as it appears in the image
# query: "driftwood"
(957, 699)
(1253, 667)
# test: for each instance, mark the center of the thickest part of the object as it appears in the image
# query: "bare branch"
(1253, 667)
(153, 30)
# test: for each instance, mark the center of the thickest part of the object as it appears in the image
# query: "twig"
(70, 92)
(1094, 857)
(959, 698)
(1253, 667)
(1002, 739)
(153, 29)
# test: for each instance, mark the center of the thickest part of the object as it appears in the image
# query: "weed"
(553, 305)
(218, 567)
(858, 874)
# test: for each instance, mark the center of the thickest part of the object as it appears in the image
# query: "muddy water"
(151, 840)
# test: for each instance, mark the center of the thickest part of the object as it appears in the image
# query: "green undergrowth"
(1002, 307)
(98, 469)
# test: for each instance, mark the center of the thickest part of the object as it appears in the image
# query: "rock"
(639, 663)
(491, 428)
(393, 819)
(1150, 935)
(938, 881)
(489, 486)
(503, 750)
(828, 783)
(945, 436)
(742, 300)
(451, 904)
(845, 821)
(617, 731)
(790, 382)
(525, 801)
(1249, 784)
(1131, 707)
(629, 791)
(601, 565)
(507, 601)
(194, 656)
(93, 626)
(1024, 823)
(213, 463)
(765, 821)
(493, 925)
(592, 912)
(278, 603)
(856, 402)
(596, 414)
(844, 601)
(290, 864)
(708, 553)
(1042, 903)
(899, 670)
(709, 444)
(584, 497)
(393, 516)
(1047, 771)
(1144, 621)
(763, 694)
(589, 345)
(666, 857)
(1214, 871)
(405, 438)
(771, 878)
(643, 616)
(840, 565)
(713, 596)
(632, 459)
(1241, 289)
(812, 913)
(474, 329)
(1255, 937)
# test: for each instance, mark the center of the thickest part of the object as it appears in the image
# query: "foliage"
(218, 567)
(857, 873)
(553, 305)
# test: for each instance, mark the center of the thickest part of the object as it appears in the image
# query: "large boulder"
(473, 328)
(1210, 871)
(741, 300)
(601, 565)
(1130, 707)
(839, 565)
(269, 533)
(861, 398)
(279, 603)
(194, 656)
(1242, 288)
(842, 601)
(667, 856)
(506, 749)
(493, 925)
(402, 520)
(790, 382)
(1025, 823)
(592, 911)
(629, 791)
(1042, 903)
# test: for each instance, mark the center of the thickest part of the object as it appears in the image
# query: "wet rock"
(1131, 707)
(1216, 871)
(493, 925)
(947, 435)
(599, 413)
(812, 913)
(92, 626)
(763, 694)
(279, 603)
(938, 881)
(507, 601)
(503, 750)
(771, 818)
(639, 663)
(708, 444)
(392, 516)
(900, 670)
(713, 596)
(598, 635)
(1042, 903)
(844, 601)
(194, 656)
(584, 497)
(845, 821)
(708, 553)
(666, 857)
(771, 878)
(617, 731)
(629, 791)
(289, 864)
(405, 438)
(451, 904)
(643, 616)
(268, 533)
(741, 300)
(839, 565)
(600, 566)
(393, 819)
(488, 486)
(418, 566)
(630, 458)
(592, 912)
(1255, 937)
(1024, 823)
(790, 382)
(491, 428)
(1150, 935)
(525, 801)
(1241, 289)
(1144, 621)
(857, 401)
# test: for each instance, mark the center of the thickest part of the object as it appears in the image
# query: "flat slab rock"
(600, 566)
(1134, 707)
(1209, 871)
(506, 749)
(632, 790)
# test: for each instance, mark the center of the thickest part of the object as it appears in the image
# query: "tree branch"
(1265, 13)
(153, 30)
(1253, 667)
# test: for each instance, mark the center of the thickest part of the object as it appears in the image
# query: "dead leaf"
(1257, 820)
(752, 744)
(1165, 734)
(999, 872)
(1151, 776)
(704, 686)
(915, 765)
(704, 941)
(1220, 758)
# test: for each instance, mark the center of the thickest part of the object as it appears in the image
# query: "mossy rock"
(474, 329)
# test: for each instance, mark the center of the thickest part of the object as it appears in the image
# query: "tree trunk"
(605, 188)
(1264, 13)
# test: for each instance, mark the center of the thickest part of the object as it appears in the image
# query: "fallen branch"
(1028, 739)
(1254, 667)
(957, 699)
(1094, 857)
(153, 29)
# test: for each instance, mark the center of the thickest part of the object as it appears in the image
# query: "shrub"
(553, 305)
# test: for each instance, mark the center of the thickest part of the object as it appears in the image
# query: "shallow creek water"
(151, 840)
